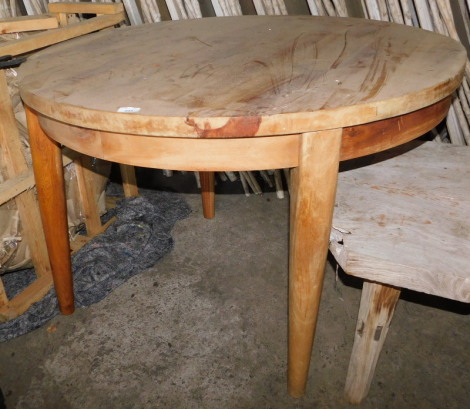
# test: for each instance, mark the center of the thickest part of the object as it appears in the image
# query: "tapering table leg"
(313, 189)
(48, 171)
(207, 192)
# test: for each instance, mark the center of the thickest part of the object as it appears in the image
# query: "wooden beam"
(20, 303)
(50, 37)
(86, 8)
(28, 23)
(14, 186)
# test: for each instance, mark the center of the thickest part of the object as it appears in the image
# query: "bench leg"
(378, 304)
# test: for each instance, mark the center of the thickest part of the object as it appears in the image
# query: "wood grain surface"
(407, 220)
(242, 76)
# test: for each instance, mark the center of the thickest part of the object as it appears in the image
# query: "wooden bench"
(402, 222)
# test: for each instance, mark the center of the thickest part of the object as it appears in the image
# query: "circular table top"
(241, 76)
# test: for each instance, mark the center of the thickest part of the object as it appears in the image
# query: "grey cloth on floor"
(136, 241)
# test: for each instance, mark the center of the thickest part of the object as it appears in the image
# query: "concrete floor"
(206, 328)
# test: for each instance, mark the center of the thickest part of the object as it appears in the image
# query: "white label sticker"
(129, 110)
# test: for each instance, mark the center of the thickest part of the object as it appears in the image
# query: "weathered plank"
(409, 221)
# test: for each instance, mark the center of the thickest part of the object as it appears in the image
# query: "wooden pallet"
(19, 176)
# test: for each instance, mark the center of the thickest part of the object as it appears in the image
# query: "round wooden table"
(238, 93)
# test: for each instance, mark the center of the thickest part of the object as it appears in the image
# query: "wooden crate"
(55, 27)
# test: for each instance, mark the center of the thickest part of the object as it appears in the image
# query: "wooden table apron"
(223, 131)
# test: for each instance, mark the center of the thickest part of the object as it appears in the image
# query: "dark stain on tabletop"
(234, 127)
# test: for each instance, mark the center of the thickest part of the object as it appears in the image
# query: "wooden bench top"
(405, 221)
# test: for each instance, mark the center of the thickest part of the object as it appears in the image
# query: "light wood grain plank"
(85, 8)
(19, 304)
(28, 23)
(408, 219)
